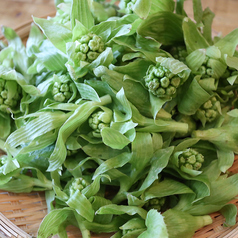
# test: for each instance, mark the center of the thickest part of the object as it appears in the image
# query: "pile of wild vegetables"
(126, 116)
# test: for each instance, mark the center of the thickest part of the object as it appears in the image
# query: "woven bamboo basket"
(21, 214)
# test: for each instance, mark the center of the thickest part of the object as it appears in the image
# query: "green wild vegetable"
(125, 115)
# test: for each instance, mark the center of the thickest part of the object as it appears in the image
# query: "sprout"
(209, 111)
(100, 120)
(77, 184)
(155, 203)
(163, 80)
(63, 89)
(10, 95)
(88, 47)
(191, 159)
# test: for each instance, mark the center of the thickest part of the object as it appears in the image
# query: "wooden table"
(14, 13)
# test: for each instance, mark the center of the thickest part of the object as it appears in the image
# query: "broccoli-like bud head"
(77, 184)
(179, 52)
(209, 111)
(63, 89)
(99, 120)
(10, 95)
(162, 80)
(191, 159)
(88, 47)
(155, 203)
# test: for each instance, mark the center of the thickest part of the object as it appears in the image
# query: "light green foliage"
(88, 47)
(10, 95)
(161, 82)
(77, 184)
(191, 159)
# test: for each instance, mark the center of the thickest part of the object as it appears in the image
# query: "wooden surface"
(14, 13)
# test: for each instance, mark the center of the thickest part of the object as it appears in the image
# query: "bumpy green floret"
(10, 95)
(161, 82)
(191, 159)
(209, 111)
(88, 47)
(155, 203)
(99, 120)
(77, 184)
(62, 91)
(179, 52)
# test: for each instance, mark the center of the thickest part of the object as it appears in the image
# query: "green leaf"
(115, 162)
(142, 149)
(225, 159)
(207, 20)
(229, 211)
(165, 188)
(43, 123)
(79, 116)
(192, 36)
(193, 97)
(227, 44)
(56, 222)
(58, 34)
(81, 205)
(183, 225)
(168, 30)
(87, 92)
(156, 226)
(197, 11)
(80, 11)
(142, 8)
(159, 161)
(122, 209)
(114, 138)
(5, 126)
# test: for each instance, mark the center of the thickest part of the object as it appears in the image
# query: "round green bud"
(92, 56)
(175, 81)
(165, 82)
(160, 92)
(4, 94)
(85, 39)
(170, 90)
(59, 97)
(191, 159)
(84, 48)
